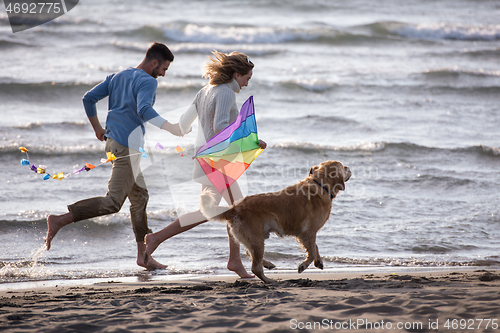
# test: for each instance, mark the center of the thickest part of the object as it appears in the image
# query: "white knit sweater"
(215, 107)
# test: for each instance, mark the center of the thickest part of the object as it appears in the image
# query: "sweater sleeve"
(94, 95)
(224, 101)
(187, 118)
(145, 100)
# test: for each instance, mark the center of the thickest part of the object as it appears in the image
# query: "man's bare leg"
(234, 262)
(55, 223)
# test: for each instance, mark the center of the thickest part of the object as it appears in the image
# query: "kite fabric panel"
(226, 156)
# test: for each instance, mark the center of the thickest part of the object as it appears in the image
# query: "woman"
(215, 107)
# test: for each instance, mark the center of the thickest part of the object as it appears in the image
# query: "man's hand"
(96, 125)
(99, 133)
(262, 144)
(175, 129)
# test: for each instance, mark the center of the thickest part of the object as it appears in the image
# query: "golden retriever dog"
(299, 210)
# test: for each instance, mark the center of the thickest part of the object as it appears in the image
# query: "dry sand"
(454, 301)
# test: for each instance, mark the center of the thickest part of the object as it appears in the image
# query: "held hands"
(175, 129)
(262, 144)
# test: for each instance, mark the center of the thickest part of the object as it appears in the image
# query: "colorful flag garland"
(42, 169)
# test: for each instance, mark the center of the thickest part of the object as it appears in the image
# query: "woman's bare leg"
(234, 262)
(193, 219)
(190, 220)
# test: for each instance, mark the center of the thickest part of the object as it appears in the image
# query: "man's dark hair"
(159, 52)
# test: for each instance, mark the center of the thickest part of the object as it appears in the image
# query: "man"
(132, 93)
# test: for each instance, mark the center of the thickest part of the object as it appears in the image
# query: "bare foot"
(51, 230)
(237, 267)
(149, 263)
(152, 242)
(54, 224)
(144, 258)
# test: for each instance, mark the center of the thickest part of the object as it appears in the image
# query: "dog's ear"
(314, 168)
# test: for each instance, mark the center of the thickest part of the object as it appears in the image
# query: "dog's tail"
(211, 211)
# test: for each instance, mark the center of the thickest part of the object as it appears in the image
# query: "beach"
(405, 94)
(444, 301)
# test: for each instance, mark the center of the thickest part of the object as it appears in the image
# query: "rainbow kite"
(230, 152)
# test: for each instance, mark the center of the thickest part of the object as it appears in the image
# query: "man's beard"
(155, 72)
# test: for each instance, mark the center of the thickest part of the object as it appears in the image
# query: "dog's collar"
(326, 189)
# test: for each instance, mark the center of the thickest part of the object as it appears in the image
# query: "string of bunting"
(42, 169)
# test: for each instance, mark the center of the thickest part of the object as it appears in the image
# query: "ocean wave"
(463, 88)
(409, 262)
(24, 219)
(49, 89)
(124, 218)
(328, 119)
(46, 88)
(200, 38)
(319, 122)
(130, 46)
(191, 32)
(14, 272)
(189, 85)
(490, 151)
(25, 269)
(308, 147)
(445, 31)
(494, 52)
(203, 48)
(315, 85)
(40, 124)
(455, 72)
(440, 249)
(10, 86)
(52, 150)
(5, 43)
(305, 147)
(77, 20)
(35, 219)
(148, 32)
(184, 32)
(440, 183)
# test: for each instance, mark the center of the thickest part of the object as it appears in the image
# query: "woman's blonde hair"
(222, 67)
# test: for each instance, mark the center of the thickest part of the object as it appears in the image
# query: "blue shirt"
(132, 93)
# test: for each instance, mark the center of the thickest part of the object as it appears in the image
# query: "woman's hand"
(262, 144)
(175, 129)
